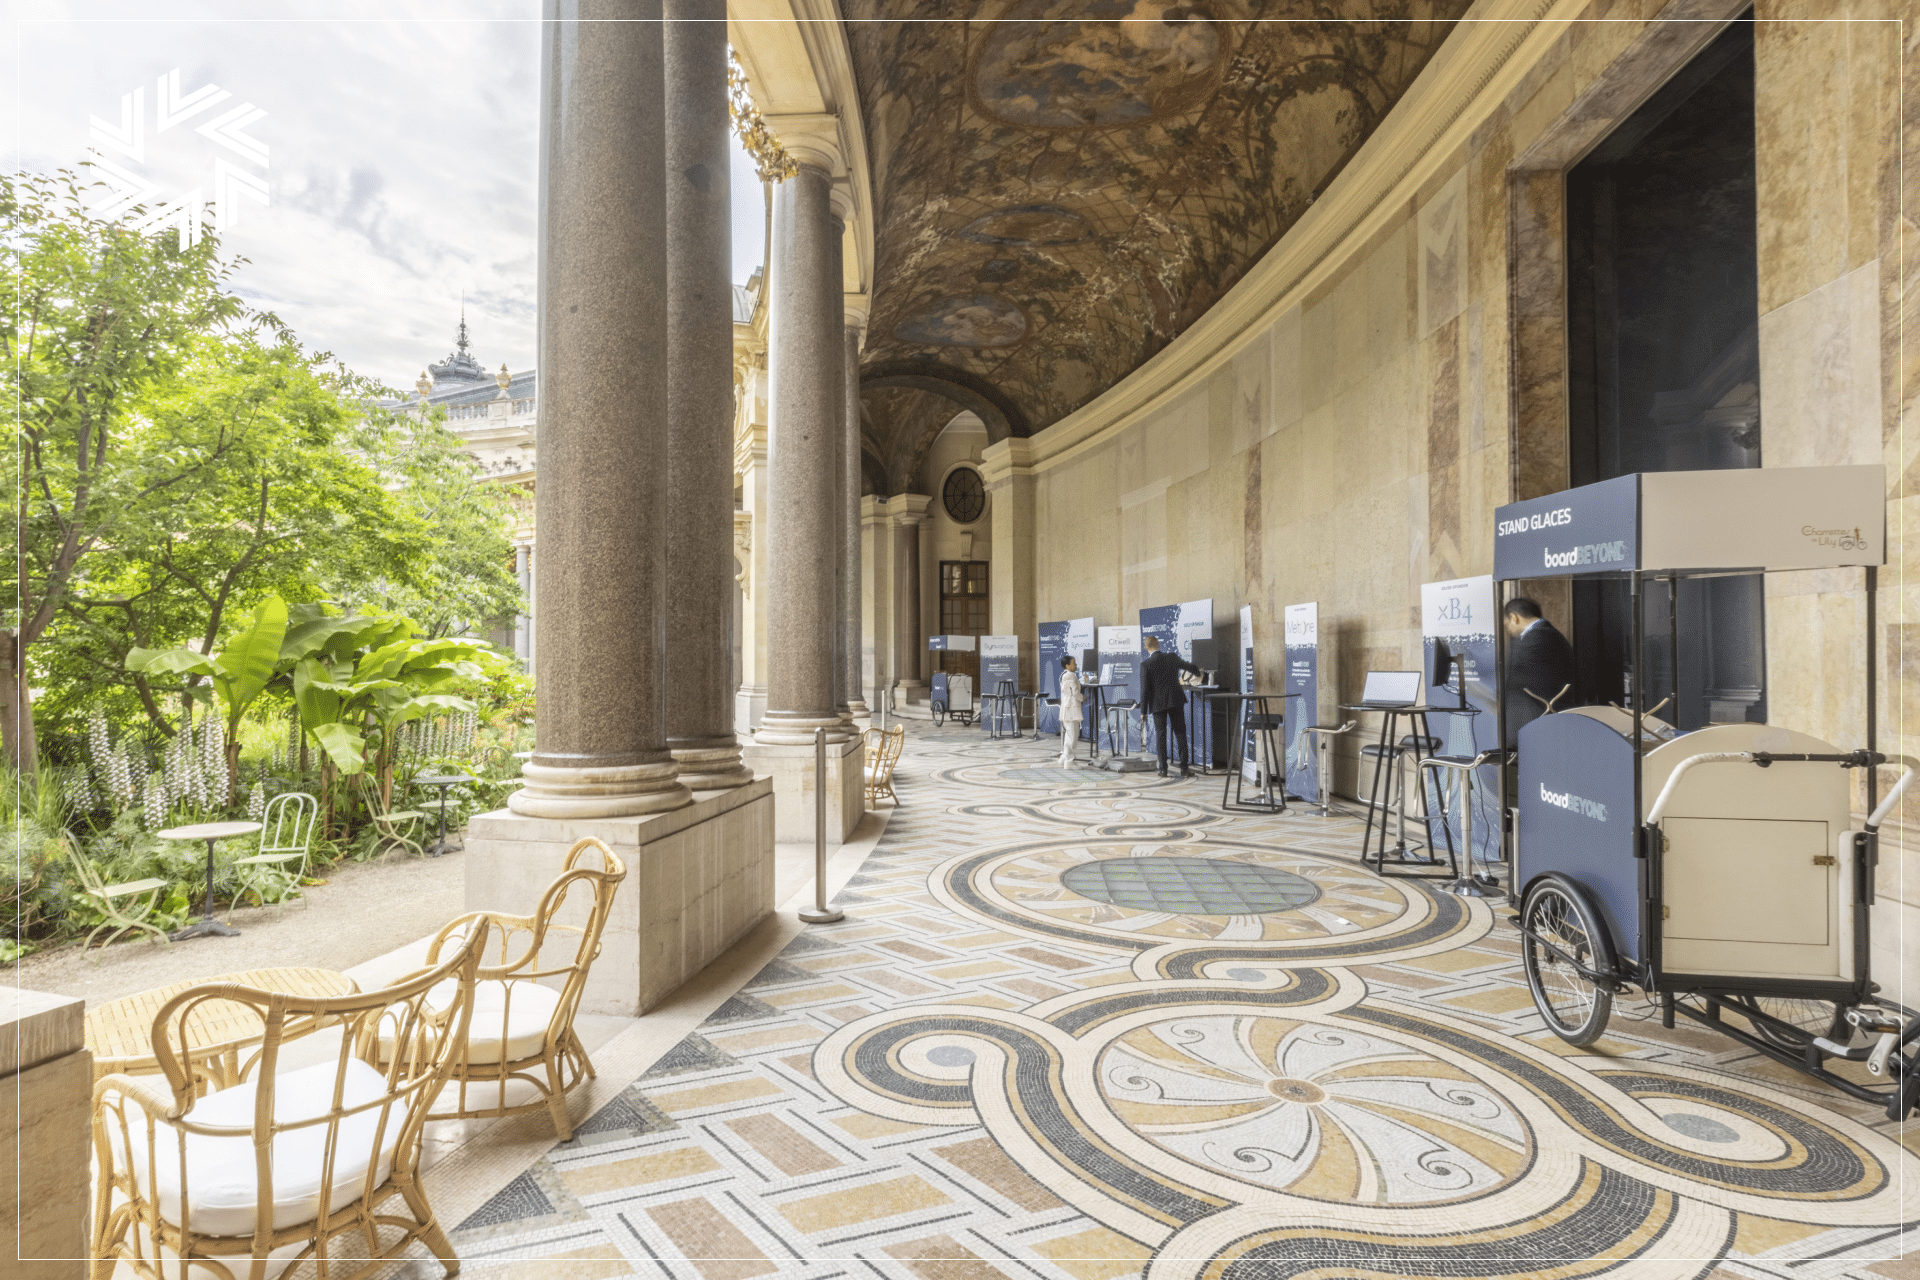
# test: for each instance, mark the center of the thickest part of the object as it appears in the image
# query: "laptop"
(1387, 690)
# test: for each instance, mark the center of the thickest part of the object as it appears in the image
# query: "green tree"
(98, 317)
(296, 507)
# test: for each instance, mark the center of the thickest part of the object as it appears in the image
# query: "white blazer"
(1069, 693)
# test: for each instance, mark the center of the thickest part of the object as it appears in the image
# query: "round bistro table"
(120, 1032)
(211, 832)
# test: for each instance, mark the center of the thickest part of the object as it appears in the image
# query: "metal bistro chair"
(121, 904)
(286, 842)
(1000, 711)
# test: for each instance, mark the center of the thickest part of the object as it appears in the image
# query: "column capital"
(873, 509)
(1001, 461)
(811, 138)
(750, 447)
(910, 508)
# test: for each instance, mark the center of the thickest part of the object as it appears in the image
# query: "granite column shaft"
(600, 749)
(699, 346)
(806, 430)
(850, 530)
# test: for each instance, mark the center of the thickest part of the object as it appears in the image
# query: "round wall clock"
(964, 496)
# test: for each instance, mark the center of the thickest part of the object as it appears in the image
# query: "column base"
(711, 768)
(612, 791)
(791, 768)
(785, 729)
(697, 880)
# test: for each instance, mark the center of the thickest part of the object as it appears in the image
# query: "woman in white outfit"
(1069, 711)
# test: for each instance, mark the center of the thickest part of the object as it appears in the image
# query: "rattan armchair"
(288, 1165)
(522, 1029)
(883, 752)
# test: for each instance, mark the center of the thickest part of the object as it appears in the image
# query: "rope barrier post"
(821, 913)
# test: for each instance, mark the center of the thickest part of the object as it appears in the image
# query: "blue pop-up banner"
(1176, 627)
(1303, 678)
(1119, 674)
(1057, 640)
(1462, 614)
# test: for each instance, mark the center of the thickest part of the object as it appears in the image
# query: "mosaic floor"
(1086, 1025)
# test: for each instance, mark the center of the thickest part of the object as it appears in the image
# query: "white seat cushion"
(222, 1189)
(502, 1030)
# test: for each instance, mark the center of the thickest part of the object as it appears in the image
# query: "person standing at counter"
(1161, 694)
(1539, 664)
(1069, 711)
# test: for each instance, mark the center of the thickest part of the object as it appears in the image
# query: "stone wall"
(1346, 431)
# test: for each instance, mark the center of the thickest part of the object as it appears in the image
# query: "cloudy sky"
(401, 153)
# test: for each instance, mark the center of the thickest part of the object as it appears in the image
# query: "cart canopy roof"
(1752, 520)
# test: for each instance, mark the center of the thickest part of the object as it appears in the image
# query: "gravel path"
(364, 910)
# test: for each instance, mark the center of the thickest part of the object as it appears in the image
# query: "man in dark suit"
(1161, 695)
(1539, 665)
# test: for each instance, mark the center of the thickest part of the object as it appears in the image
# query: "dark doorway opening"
(1664, 367)
(964, 601)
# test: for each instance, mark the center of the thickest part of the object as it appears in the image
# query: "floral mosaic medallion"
(1317, 1111)
(1190, 890)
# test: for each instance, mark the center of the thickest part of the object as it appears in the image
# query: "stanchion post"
(821, 913)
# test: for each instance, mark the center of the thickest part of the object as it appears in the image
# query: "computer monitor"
(1391, 689)
(1089, 660)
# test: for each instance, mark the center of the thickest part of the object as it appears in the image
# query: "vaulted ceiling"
(1063, 186)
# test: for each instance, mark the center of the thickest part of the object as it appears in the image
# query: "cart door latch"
(1825, 860)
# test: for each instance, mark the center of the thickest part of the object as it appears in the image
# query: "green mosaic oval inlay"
(1190, 886)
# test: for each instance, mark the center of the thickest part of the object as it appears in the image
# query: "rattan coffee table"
(120, 1032)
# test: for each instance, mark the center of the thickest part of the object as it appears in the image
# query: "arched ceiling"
(1063, 186)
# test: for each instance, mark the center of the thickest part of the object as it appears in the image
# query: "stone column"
(806, 428)
(876, 595)
(850, 524)
(909, 512)
(601, 750)
(522, 630)
(699, 457)
(1008, 473)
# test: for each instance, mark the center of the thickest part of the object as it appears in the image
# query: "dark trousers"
(1175, 720)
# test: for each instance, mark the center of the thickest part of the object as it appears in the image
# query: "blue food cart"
(1721, 871)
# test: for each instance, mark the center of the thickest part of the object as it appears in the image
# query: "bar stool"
(998, 710)
(1393, 756)
(1471, 885)
(1028, 702)
(1117, 713)
(1323, 755)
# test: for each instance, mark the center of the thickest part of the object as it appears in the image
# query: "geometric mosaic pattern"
(1092, 1027)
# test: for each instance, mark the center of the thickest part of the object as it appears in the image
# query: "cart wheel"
(939, 714)
(1574, 1006)
(1808, 1018)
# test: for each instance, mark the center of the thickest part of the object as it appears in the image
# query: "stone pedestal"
(792, 771)
(698, 878)
(46, 1102)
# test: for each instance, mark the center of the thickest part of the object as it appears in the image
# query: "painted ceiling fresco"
(1065, 185)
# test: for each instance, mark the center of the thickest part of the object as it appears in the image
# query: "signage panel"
(1303, 678)
(1592, 529)
(1119, 674)
(1462, 613)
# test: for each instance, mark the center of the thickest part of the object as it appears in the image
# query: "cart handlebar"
(1849, 760)
(1893, 797)
(1680, 771)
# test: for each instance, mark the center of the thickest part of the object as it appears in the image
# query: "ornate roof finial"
(461, 340)
(459, 366)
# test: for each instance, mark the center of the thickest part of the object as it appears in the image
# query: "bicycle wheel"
(1574, 1006)
(1805, 1019)
(939, 714)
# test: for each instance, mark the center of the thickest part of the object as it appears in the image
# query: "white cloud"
(403, 155)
